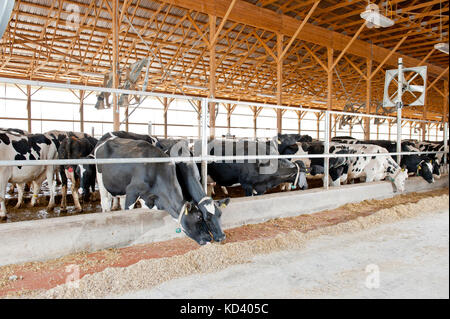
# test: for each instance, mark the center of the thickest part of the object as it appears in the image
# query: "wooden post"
(410, 130)
(255, 125)
(445, 105)
(82, 110)
(29, 107)
(299, 123)
(212, 75)
(115, 66)
(228, 118)
(279, 81)
(378, 131)
(368, 99)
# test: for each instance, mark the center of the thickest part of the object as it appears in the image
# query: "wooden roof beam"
(250, 14)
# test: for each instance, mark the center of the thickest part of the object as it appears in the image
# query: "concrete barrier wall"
(51, 238)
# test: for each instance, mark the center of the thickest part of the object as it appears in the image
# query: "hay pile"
(212, 258)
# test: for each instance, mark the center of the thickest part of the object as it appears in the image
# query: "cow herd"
(176, 186)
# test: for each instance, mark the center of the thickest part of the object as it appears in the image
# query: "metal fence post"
(399, 109)
(326, 150)
(204, 137)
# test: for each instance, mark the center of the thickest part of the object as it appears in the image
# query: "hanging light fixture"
(6, 7)
(374, 18)
(442, 46)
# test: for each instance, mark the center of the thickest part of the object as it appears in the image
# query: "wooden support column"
(445, 104)
(82, 110)
(410, 130)
(115, 66)
(212, 75)
(256, 111)
(300, 115)
(230, 109)
(368, 99)
(29, 107)
(279, 81)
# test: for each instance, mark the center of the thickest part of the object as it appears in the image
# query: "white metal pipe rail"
(208, 158)
(205, 158)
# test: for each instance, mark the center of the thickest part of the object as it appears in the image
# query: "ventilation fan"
(411, 94)
(6, 7)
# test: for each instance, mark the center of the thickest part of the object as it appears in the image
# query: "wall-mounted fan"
(413, 89)
(6, 7)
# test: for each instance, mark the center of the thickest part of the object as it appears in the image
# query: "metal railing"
(204, 158)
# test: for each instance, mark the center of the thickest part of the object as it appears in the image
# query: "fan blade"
(416, 88)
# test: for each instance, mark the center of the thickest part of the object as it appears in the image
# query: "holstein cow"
(189, 178)
(289, 143)
(14, 146)
(372, 168)
(155, 183)
(14, 131)
(76, 148)
(419, 165)
(89, 171)
(337, 165)
(255, 176)
(427, 146)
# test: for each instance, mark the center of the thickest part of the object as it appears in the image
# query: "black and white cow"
(289, 143)
(189, 178)
(76, 148)
(372, 168)
(88, 175)
(427, 146)
(337, 165)
(21, 132)
(419, 165)
(255, 176)
(155, 183)
(15, 146)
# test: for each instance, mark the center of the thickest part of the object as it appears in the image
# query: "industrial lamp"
(374, 18)
(6, 7)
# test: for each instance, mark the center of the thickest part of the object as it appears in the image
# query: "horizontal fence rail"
(209, 158)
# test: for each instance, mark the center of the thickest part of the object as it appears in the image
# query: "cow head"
(193, 225)
(399, 180)
(425, 169)
(211, 211)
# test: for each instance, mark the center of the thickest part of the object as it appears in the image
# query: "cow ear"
(222, 203)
